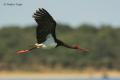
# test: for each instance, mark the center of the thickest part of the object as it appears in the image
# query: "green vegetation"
(103, 43)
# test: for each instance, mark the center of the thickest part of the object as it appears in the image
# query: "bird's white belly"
(49, 43)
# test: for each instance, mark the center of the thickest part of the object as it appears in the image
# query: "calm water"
(59, 78)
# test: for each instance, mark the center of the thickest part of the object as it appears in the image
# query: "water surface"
(59, 78)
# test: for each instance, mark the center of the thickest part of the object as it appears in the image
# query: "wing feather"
(46, 25)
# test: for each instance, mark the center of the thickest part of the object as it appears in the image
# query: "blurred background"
(91, 23)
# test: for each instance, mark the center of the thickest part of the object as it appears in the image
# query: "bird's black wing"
(46, 25)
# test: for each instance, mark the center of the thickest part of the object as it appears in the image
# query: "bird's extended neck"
(68, 46)
(77, 47)
(61, 43)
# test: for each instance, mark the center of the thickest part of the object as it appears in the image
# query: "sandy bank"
(86, 73)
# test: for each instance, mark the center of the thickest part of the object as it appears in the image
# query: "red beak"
(22, 51)
(81, 49)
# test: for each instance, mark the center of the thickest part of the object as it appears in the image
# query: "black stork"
(45, 33)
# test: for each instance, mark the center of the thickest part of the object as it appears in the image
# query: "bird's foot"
(22, 51)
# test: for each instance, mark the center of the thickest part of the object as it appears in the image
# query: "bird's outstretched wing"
(46, 25)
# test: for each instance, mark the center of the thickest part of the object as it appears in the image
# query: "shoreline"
(70, 73)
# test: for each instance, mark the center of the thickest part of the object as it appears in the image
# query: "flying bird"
(45, 33)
